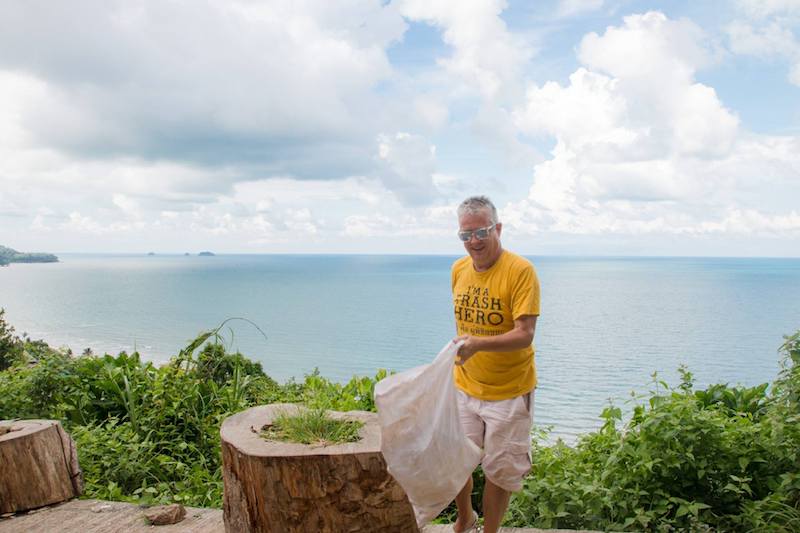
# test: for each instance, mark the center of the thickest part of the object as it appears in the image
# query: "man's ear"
(498, 228)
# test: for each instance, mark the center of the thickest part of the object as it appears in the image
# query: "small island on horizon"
(187, 254)
(9, 255)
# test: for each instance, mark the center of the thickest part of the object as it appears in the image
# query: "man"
(496, 304)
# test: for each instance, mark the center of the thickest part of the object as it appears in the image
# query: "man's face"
(483, 253)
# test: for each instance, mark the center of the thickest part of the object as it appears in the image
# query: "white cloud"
(494, 127)
(485, 53)
(127, 205)
(568, 8)
(750, 221)
(88, 225)
(434, 221)
(647, 106)
(481, 76)
(641, 147)
(273, 126)
(767, 30)
(221, 86)
(767, 41)
(589, 110)
(408, 164)
(366, 226)
(765, 8)
(646, 46)
(433, 112)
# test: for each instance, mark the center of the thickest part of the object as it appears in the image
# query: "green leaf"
(743, 462)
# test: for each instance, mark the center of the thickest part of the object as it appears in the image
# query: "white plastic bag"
(422, 441)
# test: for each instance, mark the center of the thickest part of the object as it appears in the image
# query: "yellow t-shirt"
(485, 304)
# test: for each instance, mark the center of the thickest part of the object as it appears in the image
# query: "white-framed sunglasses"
(481, 234)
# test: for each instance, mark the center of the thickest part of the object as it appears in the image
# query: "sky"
(598, 127)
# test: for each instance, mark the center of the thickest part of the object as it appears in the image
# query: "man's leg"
(507, 460)
(495, 503)
(474, 429)
(464, 504)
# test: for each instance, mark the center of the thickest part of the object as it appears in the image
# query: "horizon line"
(424, 254)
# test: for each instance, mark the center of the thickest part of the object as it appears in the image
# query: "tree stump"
(286, 487)
(38, 465)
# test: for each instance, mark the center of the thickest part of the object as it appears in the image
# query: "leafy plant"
(219, 366)
(724, 458)
(10, 345)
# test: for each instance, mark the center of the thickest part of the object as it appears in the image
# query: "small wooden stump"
(38, 465)
(285, 487)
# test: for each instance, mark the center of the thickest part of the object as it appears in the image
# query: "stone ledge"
(97, 516)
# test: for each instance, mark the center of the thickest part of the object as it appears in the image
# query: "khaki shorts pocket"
(509, 467)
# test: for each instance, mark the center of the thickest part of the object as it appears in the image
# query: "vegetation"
(9, 255)
(150, 434)
(725, 458)
(720, 459)
(10, 346)
(312, 426)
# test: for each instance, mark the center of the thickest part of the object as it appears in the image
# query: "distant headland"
(9, 255)
(206, 254)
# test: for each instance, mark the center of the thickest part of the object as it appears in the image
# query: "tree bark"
(286, 487)
(38, 465)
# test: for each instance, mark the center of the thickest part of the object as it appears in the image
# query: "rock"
(165, 514)
(102, 508)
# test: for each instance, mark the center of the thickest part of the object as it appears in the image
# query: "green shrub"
(120, 464)
(215, 364)
(10, 345)
(724, 458)
(356, 395)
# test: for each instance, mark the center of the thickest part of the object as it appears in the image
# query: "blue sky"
(597, 126)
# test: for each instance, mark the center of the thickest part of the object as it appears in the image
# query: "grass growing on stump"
(312, 426)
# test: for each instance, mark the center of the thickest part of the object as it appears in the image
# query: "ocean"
(606, 325)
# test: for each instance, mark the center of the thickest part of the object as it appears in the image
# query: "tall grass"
(312, 426)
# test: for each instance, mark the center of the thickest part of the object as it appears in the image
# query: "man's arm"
(516, 339)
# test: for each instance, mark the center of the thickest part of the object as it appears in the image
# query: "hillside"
(9, 255)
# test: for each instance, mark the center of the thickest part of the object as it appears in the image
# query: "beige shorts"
(503, 429)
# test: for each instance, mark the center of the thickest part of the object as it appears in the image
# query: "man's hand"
(516, 339)
(468, 349)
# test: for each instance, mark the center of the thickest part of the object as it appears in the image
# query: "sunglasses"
(481, 234)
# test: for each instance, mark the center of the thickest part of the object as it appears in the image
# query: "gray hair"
(476, 204)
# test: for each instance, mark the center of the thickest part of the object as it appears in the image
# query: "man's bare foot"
(460, 527)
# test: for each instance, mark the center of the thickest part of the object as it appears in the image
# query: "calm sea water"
(607, 323)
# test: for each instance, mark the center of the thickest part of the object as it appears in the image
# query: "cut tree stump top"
(14, 429)
(244, 431)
